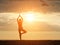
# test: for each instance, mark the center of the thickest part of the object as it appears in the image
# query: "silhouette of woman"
(20, 28)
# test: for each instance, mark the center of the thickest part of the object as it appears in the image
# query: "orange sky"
(43, 27)
(41, 22)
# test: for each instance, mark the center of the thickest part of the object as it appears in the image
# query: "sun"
(33, 16)
(29, 16)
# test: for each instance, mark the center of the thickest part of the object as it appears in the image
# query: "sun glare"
(33, 16)
(29, 16)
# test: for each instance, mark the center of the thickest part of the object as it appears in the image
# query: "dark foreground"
(30, 42)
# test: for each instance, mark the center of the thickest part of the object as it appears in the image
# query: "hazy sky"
(47, 24)
(16, 5)
(44, 27)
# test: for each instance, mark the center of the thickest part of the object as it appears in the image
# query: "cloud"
(6, 18)
(6, 21)
(51, 23)
(16, 5)
(55, 27)
(3, 21)
(55, 4)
